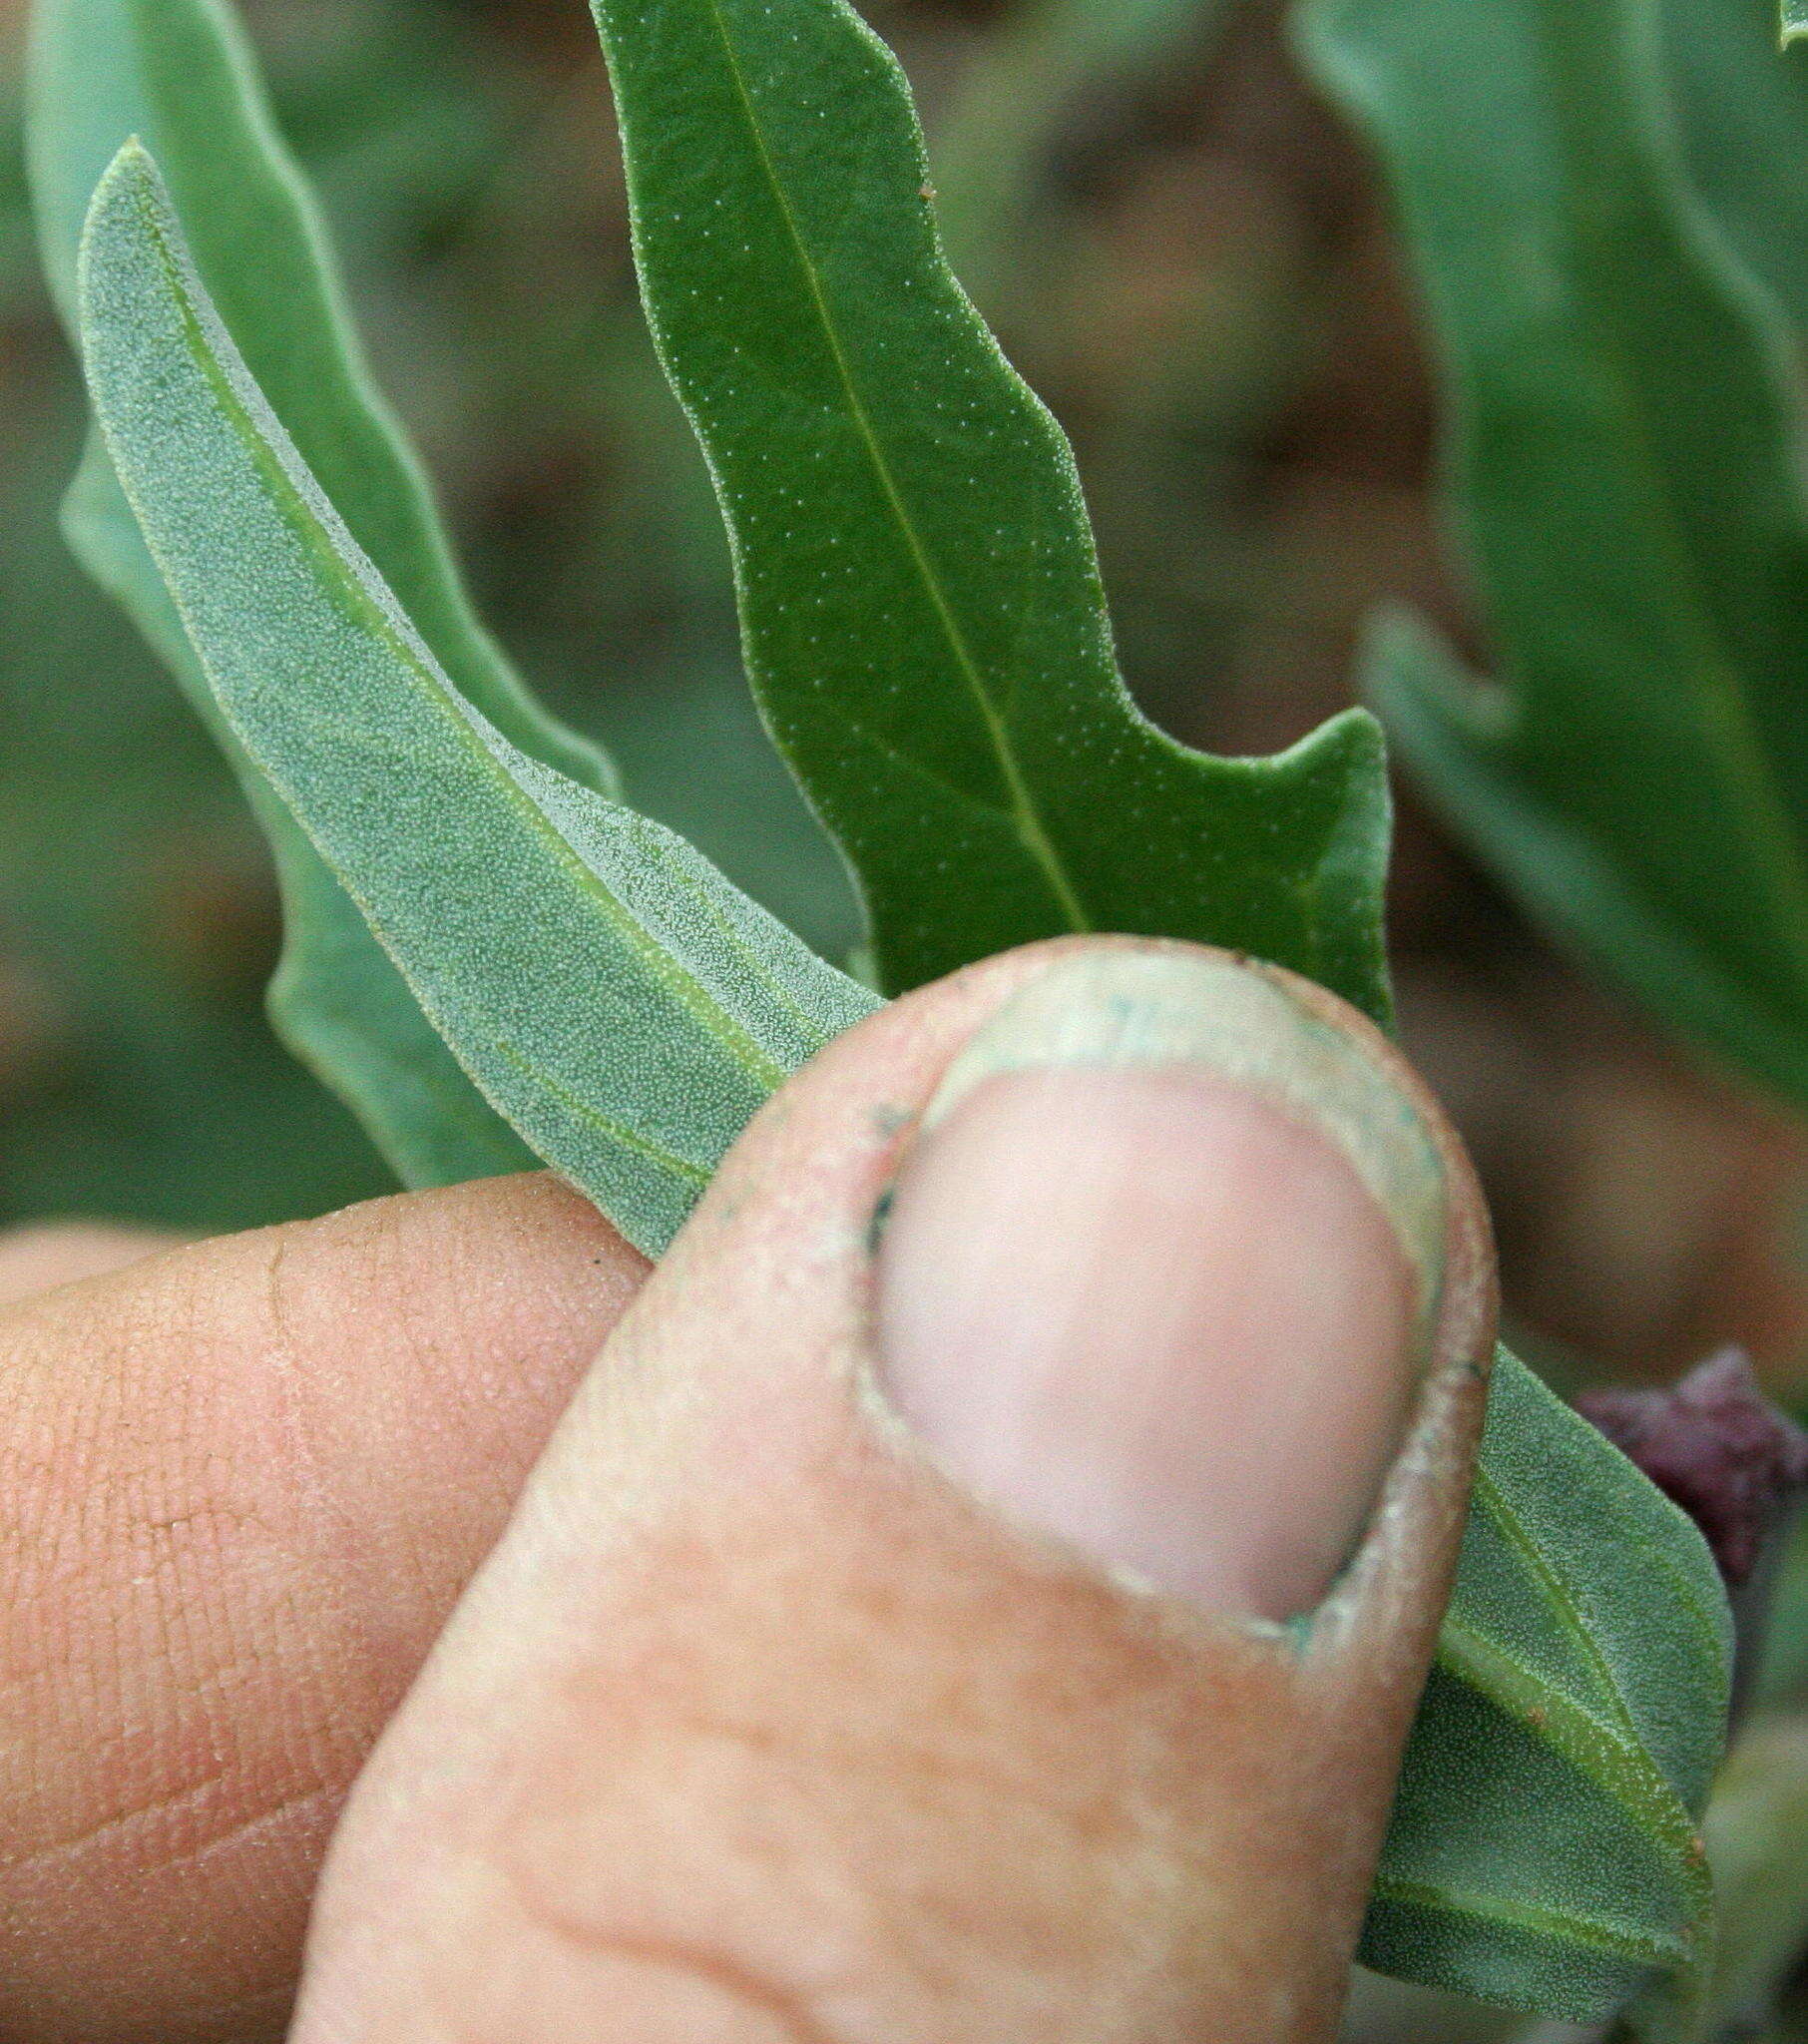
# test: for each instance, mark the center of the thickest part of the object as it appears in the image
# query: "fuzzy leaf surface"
(1544, 1851)
(1621, 450)
(336, 999)
(920, 601)
(179, 74)
(616, 999)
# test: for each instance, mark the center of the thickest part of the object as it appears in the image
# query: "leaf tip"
(133, 166)
(131, 179)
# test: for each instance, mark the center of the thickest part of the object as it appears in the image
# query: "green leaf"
(1637, 535)
(1742, 112)
(336, 1000)
(1622, 453)
(813, 288)
(1446, 722)
(622, 1004)
(629, 1011)
(178, 73)
(926, 631)
(920, 602)
(1545, 1851)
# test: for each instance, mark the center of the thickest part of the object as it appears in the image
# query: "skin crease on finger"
(241, 1485)
(755, 1729)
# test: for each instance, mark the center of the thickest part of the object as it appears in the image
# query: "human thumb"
(981, 1592)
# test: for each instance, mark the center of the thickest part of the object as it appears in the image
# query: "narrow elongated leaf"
(1445, 721)
(177, 73)
(924, 625)
(920, 602)
(336, 1000)
(1545, 1850)
(1623, 449)
(622, 1004)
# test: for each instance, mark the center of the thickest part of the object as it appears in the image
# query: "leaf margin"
(350, 583)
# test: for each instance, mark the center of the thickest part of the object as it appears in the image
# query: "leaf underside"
(177, 74)
(920, 602)
(1621, 453)
(614, 998)
(1544, 1852)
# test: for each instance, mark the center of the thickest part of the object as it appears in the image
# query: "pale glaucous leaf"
(179, 75)
(614, 997)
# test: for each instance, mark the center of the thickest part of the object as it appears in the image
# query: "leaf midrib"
(1488, 1495)
(1617, 1941)
(301, 516)
(1021, 808)
(1611, 1754)
(614, 1129)
(1622, 1772)
(1617, 1764)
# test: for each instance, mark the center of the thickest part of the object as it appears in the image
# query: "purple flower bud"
(1717, 1447)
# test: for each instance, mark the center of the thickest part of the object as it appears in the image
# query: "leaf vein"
(1621, 1940)
(305, 521)
(1022, 809)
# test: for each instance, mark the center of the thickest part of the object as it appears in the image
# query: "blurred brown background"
(1189, 261)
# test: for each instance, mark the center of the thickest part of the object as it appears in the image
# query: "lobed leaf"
(1621, 447)
(920, 601)
(1442, 720)
(178, 73)
(629, 1011)
(1621, 459)
(611, 995)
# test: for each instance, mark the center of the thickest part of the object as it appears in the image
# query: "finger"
(49, 1254)
(240, 1486)
(956, 1641)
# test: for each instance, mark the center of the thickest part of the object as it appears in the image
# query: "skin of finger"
(753, 1727)
(241, 1485)
(42, 1258)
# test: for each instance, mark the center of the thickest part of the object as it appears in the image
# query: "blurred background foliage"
(1191, 263)
(1186, 257)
